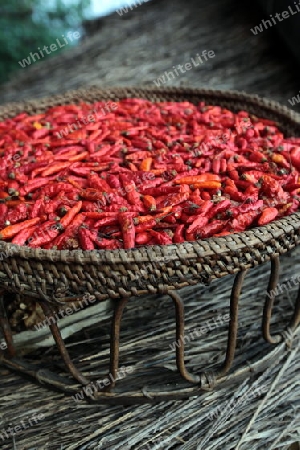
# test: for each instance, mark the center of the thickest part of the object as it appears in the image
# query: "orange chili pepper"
(197, 179)
(79, 134)
(54, 168)
(12, 230)
(267, 216)
(69, 216)
(146, 164)
(149, 202)
(207, 185)
(78, 157)
(4, 194)
(280, 159)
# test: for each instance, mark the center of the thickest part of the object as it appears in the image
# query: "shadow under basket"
(54, 278)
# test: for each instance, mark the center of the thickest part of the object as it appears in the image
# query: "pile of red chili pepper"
(143, 174)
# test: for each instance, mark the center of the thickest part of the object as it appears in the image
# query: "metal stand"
(197, 382)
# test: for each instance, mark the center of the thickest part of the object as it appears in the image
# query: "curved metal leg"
(61, 346)
(295, 320)
(270, 297)
(179, 309)
(231, 342)
(115, 340)
(268, 307)
(233, 323)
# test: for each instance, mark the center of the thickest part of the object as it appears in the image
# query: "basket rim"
(159, 253)
(226, 94)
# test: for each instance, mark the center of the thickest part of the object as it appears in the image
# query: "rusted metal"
(179, 314)
(295, 320)
(233, 323)
(115, 340)
(232, 333)
(268, 307)
(61, 345)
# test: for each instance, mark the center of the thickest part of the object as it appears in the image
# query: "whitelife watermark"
(286, 286)
(131, 5)
(3, 345)
(292, 101)
(53, 47)
(108, 108)
(209, 325)
(265, 24)
(97, 385)
(7, 254)
(17, 429)
(165, 78)
(66, 312)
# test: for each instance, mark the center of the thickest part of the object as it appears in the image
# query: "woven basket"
(121, 273)
(58, 276)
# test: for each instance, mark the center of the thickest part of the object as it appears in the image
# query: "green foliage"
(26, 25)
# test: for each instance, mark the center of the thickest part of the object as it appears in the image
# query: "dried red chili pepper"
(106, 221)
(18, 214)
(67, 218)
(203, 210)
(295, 157)
(128, 229)
(173, 199)
(197, 224)
(243, 221)
(61, 241)
(146, 225)
(267, 216)
(149, 202)
(98, 183)
(142, 238)
(224, 205)
(85, 240)
(23, 236)
(179, 234)
(44, 234)
(3, 213)
(108, 244)
(161, 238)
(211, 229)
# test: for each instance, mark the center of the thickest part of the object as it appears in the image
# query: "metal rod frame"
(268, 308)
(202, 381)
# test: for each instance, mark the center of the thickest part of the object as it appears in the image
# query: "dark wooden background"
(141, 45)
